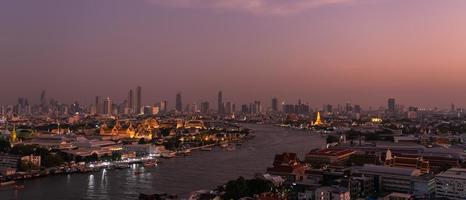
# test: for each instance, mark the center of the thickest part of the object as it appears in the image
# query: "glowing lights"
(376, 120)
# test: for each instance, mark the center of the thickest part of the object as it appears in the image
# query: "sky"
(319, 51)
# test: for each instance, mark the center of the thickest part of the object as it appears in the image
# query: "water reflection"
(181, 175)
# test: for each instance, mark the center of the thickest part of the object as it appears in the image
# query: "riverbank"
(180, 175)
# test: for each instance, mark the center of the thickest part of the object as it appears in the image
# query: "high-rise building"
(108, 106)
(221, 107)
(244, 109)
(163, 106)
(328, 109)
(205, 107)
(228, 108)
(43, 100)
(131, 101)
(391, 105)
(138, 100)
(357, 109)
(274, 104)
(179, 103)
(97, 105)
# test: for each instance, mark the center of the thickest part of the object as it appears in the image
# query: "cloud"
(259, 7)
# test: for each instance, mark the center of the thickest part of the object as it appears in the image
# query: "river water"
(181, 175)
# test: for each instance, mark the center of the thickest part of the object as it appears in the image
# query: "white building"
(451, 184)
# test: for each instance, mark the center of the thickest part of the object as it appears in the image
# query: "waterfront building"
(59, 142)
(9, 161)
(140, 149)
(451, 184)
(32, 159)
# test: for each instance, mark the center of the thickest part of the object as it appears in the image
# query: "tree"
(23, 150)
(26, 166)
(51, 161)
(241, 187)
(142, 141)
(5, 146)
(116, 155)
(332, 139)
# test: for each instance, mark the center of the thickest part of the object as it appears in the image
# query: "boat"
(19, 187)
(206, 149)
(168, 154)
(7, 183)
(150, 164)
(224, 145)
(186, 152)
(231, 148)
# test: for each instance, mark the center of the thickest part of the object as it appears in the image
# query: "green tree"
(332, 139)
(23, 150)
(142, 141)
(5, 146)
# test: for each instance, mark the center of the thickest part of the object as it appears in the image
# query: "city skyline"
(315, 50)
(391, 104)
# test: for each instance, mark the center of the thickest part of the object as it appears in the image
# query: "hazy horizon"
(319, 51)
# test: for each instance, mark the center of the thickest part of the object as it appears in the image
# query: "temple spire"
(318, 120)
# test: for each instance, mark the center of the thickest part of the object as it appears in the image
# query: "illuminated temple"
(318, 121)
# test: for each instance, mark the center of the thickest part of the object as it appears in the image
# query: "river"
(181, 175)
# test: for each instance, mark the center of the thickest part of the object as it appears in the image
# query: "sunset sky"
(321, 51)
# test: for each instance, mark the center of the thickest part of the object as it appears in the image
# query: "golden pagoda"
(318, 120)
(13, 135)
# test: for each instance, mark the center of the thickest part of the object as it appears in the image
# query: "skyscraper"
(179, 103)
(228, 108)
(391, 105)
(131, 101)
(274, 104)
(97, 105)
(163, 106)
(205, 107)
(108, 106)
(221, 107)
(138, 100)
(43, 101)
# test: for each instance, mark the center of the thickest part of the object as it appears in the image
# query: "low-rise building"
(451, 184)
(332, 193)
(398, 196)
(322, 157)
(403, 180)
